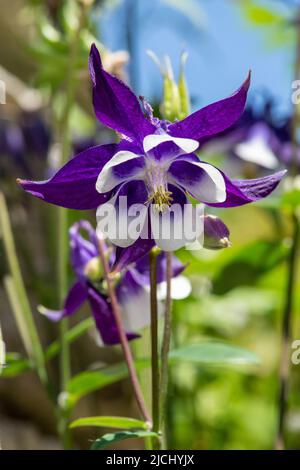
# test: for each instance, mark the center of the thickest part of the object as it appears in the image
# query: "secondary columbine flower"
(259, 139)
(131, 286)
(155, 160)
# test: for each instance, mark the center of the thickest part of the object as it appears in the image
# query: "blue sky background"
(219, 58)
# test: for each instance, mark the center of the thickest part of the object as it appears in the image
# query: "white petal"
(106, 180)
(211, 188)
(180, 288)
(136, 312)
(216, 192)
(257, 151)
(121, 225)
(153, 140)
(177, 227)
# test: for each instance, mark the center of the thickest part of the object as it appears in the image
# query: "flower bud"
(94, 269)
(176, 100)
(183, 89)
(216, 233)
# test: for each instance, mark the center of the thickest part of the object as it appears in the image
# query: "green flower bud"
(183, 89)
(176, 102)
(94, 269)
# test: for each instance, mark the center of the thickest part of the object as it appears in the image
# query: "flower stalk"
(286, 333)
(124, 342)
(291, 274)
(154, 346)
(166, 340)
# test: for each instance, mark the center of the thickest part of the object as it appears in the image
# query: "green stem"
(62, 290)
(35, 348)
(166, 342)
(286, 334)
(292, 262)
(62, 252)
(154, 347)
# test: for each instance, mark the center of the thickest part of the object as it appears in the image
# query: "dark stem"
(123, 338)
(286, 333)
(154, 344)
(166, 340)
(288, 308)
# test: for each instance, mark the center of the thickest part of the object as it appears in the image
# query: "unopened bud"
(94, 269)
(176, 102)
(216, 233)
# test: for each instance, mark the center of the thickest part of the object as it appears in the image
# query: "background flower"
(131, 286)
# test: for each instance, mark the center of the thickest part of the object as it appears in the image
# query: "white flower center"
(157, 185)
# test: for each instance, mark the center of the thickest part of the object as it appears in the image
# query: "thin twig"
(292, 262)
(123, 338)
(286, 336)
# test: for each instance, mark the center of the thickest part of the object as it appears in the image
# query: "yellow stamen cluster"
(156, 181)
(161, 198)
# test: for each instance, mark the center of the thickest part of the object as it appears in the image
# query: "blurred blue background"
(222, 47)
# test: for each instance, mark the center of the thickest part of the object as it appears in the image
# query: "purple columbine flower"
(131, 285)
(154, 163)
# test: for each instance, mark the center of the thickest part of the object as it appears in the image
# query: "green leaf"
(213, 353)
(90, 381)
(2, 351)
(108, 439)
(261, 16)
(110, 422)
(15, 365)
(18, 312)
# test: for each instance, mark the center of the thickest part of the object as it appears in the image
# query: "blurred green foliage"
(221, 396)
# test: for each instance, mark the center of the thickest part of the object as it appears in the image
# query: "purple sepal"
(75, 298)
(115, 104)
(214, 118)
(104, 319)
(240, 192)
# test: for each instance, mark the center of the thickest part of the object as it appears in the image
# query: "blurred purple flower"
(131, 286)
(26, 137)
(259, 138)
(155, 160)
